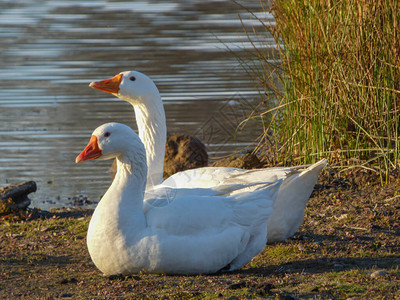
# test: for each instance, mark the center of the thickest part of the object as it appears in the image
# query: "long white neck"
(120, 208)
(126, 192)
(152, 128)
(122, 204)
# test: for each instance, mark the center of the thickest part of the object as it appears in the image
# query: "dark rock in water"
(246, 161)
(183, 152)
(15, 196)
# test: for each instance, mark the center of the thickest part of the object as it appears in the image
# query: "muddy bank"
(347, 247)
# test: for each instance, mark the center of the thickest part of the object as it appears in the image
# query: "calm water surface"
(52, 50)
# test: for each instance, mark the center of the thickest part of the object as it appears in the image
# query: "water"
(52, 50)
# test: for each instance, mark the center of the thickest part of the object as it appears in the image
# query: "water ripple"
(52, 50)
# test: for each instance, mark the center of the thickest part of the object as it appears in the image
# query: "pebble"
(379, 273)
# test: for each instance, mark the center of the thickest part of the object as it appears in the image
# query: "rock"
(246, 161)
(183, 152)
(15, 196)
(379, 273)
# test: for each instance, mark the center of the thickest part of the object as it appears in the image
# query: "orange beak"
(91, 151)
(110, 85)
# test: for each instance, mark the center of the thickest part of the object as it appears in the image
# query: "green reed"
(331, 85)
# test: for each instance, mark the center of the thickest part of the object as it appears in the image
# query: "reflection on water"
(52, 50)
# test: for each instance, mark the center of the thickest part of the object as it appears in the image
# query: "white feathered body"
(298, 184)
(180, 231)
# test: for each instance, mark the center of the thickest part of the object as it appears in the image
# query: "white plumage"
(139, 90)
(202, 230)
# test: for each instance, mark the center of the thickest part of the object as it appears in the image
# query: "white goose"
(141, 92)
(202, 231)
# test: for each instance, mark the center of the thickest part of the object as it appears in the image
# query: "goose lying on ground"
(141, 92)
(202, 231)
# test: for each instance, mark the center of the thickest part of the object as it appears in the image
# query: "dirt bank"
(350, 230)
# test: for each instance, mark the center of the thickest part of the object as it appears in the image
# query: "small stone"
(379, 273)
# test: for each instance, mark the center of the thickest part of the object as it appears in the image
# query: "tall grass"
(335, 90)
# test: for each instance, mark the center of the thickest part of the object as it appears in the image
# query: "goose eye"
(132, 78)
(107, 134)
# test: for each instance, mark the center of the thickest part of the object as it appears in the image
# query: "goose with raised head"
(203, 230)
(141, 92)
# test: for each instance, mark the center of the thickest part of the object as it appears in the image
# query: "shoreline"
(350, 231)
